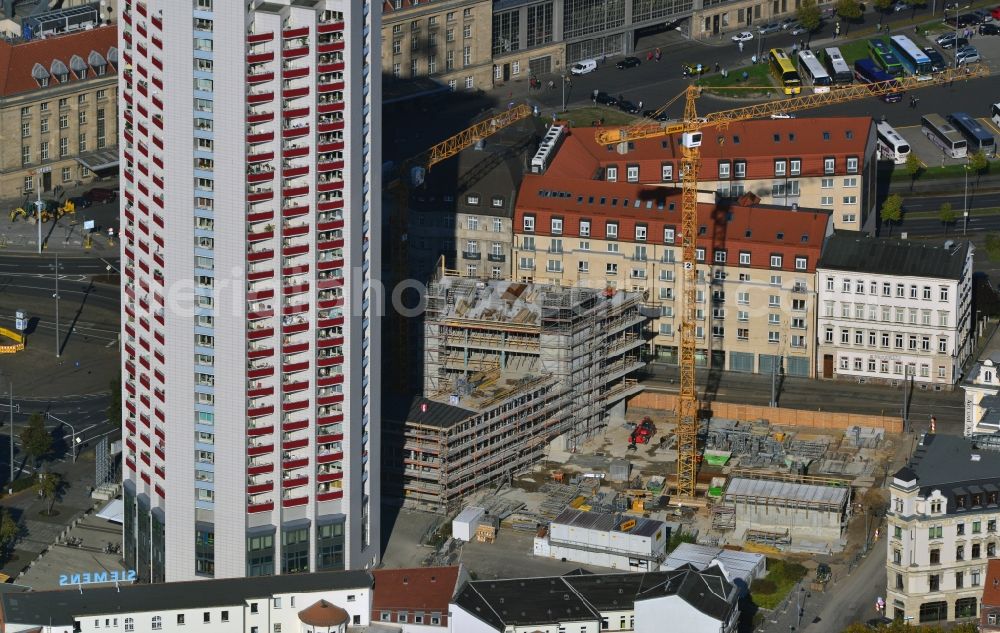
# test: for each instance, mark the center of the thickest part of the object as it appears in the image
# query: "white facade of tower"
(250, 241)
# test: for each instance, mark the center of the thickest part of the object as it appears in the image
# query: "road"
(22, 265)
(87, 414)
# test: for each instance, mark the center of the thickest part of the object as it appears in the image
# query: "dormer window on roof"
(96, 61)
(60, 70)
(777, 138)
(826, 136)
(78, 66)
(805, 238)
(40, 75)
(736, 139)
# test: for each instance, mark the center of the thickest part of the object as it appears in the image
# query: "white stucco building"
(982, 391)
(250, 239)
(888, 309)
(690, 600)
(942, 528)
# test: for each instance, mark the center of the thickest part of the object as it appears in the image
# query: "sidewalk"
(65, 235)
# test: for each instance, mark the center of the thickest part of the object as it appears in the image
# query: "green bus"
(884, 57)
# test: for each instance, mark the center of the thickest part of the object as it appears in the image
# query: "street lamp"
(10, 384)
(74, 439)
(563, 92)
(55, 296)
(965, 214)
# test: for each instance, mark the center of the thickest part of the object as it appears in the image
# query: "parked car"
(798, 29)
(983, 15)
(628, 62)
(652, 114)
(80, 202)
(767, 29)
(786, 23)
(968, 55)
(583, 67)
(628, 106)
(900, 6)
(743, 36)
(964, 20)
(602, 98)
(100, 194)
(995, 12)
(937, 60)
(948, 40)
(989, 29)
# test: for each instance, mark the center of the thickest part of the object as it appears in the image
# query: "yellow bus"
(784, 71)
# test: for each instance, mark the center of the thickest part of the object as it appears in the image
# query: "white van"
(995, 111)
(583, 67)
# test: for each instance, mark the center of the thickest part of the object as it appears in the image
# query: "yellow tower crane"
(400, 187)
(691, 129)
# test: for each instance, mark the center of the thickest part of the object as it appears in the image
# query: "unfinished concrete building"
(509, 368)
(808, 514)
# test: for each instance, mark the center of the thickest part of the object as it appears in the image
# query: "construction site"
(510, 370)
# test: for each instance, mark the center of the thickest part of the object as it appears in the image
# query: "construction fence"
(655, 400)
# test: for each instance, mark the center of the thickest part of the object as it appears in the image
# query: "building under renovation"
(509, 368)
(812, 512)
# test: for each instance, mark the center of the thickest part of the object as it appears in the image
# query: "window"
(612, 174)
(851, 182)
(668, 235)
(801, 263)
(584, 228)
(850, 199)
(779, 168)
(795, 166)
(157, 623)
(529, 223)
(774, 301)
(724, 169)
(667, 172)
(612, 269)
(773, 337)
(129, 624)
(632, 173)
(720, 257)
(829, 165)
(612, 230)
(852, 164)
(775, 261)
(740, 169)
(943, 296)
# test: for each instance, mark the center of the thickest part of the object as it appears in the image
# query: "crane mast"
(691, 125)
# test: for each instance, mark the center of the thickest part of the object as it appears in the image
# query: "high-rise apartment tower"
(250, 236)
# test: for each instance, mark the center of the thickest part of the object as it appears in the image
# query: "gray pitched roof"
(61, 607)
(439, 414)
(579, 597)
(858, 253)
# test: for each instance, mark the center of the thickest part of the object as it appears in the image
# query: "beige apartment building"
(756, 266)
(447, 40)
(824, 163)
(58, 110)
(717, 18)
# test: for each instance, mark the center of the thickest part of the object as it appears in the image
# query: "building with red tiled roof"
(989, 606)
(756, 264)
(58, 105)
(415, 598)
(824, 163)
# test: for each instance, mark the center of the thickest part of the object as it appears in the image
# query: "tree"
(993, 247)
(9, 530)
(679, 537)
(914, 4)
(892, 210)
(947, 215)
(883, 5)
(36, 441)
(979, 164)
(809, 15)
(849, 10)
(913, 168)
(49, 487)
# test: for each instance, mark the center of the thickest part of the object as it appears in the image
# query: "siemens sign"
(97, 577)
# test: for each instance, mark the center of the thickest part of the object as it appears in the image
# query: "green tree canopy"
(809, 15)
(50, 486)
(892, 210)
(913, 168)
(947, 214)
(849, 9)
(9, 530)
(36, 441)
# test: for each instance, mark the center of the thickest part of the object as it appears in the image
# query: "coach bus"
(784, 71)
(914, 60)
(837, 66)
(891, 146)
(813, 72)
(868, 72)
(976, 136)
(884, 57)
(944, 135)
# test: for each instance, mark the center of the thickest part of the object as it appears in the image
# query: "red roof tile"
(754, 141)
(426, 588)
(760, 230)
(991, 589)
(18, 60)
